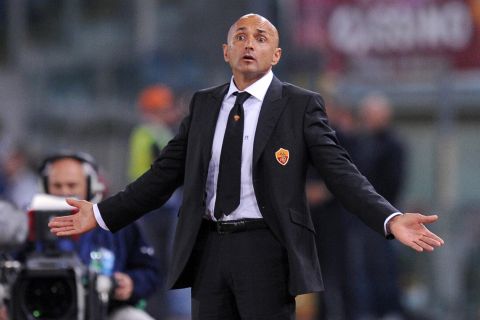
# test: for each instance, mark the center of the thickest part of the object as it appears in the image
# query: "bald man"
(244, 241)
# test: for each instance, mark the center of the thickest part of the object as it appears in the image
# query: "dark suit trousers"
(240, 275)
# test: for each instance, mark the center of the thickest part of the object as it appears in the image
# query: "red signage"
(347, 30)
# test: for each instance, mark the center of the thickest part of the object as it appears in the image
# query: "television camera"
(51, 284)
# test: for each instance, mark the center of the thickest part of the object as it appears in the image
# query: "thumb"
(75, 203)
(429, 219)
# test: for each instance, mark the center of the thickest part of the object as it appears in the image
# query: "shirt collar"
(258, 89)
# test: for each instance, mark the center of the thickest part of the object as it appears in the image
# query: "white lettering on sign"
(385, 28)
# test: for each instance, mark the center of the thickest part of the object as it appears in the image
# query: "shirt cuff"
(387, 232)
(99, 218)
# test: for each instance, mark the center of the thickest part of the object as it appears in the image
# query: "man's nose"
(249, 43)
(65, 192)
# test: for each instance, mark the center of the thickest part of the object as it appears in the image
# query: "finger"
(64, 228)
(434, 242)
(60, 226)
(61, 218)
(415, 246)
(70, 232)
(60, 223)
(424, 244)
(57, 230)
(434, 236)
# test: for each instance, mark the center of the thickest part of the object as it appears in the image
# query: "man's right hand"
(80, 222)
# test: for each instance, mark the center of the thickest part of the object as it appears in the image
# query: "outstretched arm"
(80, 222)
(409, 229)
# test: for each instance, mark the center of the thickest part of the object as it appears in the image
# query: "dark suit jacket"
(291, 118)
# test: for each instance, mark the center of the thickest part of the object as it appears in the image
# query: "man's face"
(66, 178)
(252, 47)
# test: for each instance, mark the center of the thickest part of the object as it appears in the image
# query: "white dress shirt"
(248, 207)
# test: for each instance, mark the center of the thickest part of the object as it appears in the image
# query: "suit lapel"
(210, 116)
(272, 108)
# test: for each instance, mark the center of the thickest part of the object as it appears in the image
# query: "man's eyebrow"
(240, 29)
(263, 31)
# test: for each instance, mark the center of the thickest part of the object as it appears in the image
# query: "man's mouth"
(248, 57)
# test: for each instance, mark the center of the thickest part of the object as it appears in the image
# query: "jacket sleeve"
(153, 188)
(341, 176)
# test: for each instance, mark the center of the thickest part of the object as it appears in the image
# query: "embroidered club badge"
(282, 156)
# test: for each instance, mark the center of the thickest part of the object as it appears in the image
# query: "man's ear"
(225, 52)
(276, 56)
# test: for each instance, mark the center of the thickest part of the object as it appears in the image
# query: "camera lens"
(48, 297)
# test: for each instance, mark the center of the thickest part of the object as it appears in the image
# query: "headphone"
(95, 187)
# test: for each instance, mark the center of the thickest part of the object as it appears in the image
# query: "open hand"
(80, 222)
(410, 230)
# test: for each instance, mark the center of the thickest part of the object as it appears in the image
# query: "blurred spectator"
(70, 174)
(384, 158)
(329, 218)
(2, 152)
(13, 232)
(2, 183)
(156, 104)
(157, 109)
(13, 226)
(357, 285)
(373, 291)
(21, 180)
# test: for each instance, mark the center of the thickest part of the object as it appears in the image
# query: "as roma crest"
(282, 156)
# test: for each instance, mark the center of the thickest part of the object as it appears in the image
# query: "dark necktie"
(229, 174)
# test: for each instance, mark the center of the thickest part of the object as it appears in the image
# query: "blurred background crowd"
(401, 81)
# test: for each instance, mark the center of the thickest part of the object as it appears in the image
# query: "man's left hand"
(409, 229)
(124, 286)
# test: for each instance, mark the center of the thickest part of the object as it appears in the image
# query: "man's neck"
(243, 81)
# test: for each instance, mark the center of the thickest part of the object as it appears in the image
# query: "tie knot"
(241, 97)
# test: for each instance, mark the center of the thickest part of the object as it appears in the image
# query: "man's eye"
(262, 39)
(240, 37)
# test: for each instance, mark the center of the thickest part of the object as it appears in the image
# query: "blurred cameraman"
(71, 174)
